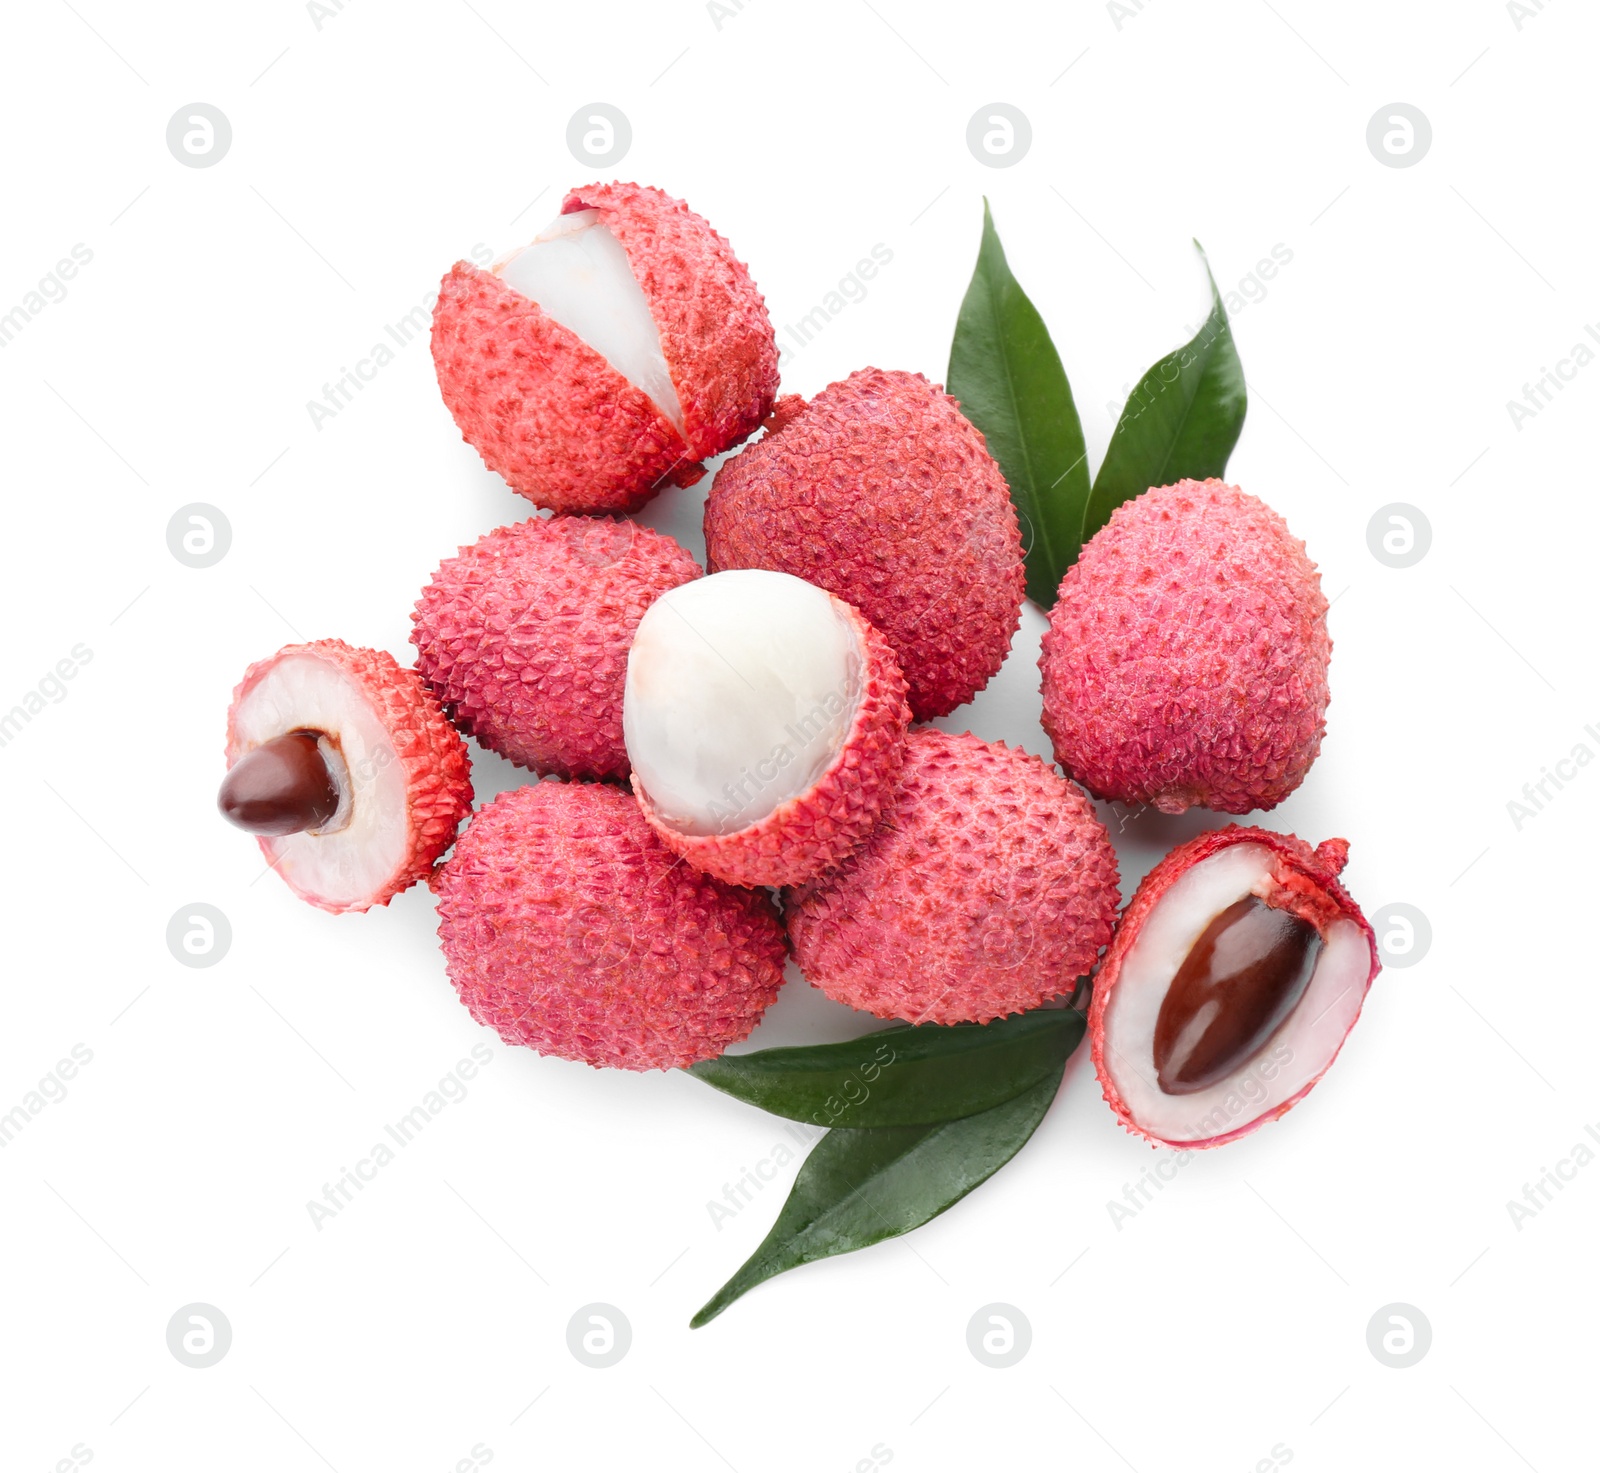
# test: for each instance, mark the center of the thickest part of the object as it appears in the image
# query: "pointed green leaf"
(1007, 376)
(858, 1187)
(1181, 421)
(901, 1076)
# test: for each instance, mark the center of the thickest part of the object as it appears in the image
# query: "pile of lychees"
(743, 775)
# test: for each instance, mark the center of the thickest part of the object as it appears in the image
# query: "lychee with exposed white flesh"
(988, 887)
(343, 767)
(1236, 974)
(524, 636)
(609, 357)
(765, 721)
(568, 926)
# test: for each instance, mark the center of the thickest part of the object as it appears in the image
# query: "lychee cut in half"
(988, 887)
(765, 720)
(1237, 972)
(610, 356)
(881, 491)
(341, 764)
(524, 636)
(568, 926)
(1187, 656)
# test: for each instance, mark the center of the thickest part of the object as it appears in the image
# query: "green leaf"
(1182, 421)
(1007, 376)
(858, 1187)
(901, 1076)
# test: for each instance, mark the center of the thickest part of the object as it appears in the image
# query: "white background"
(1229, 1316)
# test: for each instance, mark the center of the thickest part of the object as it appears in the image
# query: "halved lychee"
(524, 636)
(765, 720)
(609, 357)
(1237, 972)
(569, 927)
(988, 887)
(342, 766)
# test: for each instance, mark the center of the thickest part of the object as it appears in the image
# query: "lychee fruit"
(341, 764)
(765, 720)
(1187, 656)
(988, 887)
(880, 491)
(567, 925)
(608, 358)
(524, 636)
(1236, 974)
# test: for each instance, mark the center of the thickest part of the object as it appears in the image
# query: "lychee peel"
(817, 829)
(988, 887)
(1288, 874)
(562, 426)
(1187, 656)
(568, 926)
(408, 773)
(882, 492)
(524, 636)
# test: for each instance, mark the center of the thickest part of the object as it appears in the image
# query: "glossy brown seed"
(1240, 980)
(281, 787)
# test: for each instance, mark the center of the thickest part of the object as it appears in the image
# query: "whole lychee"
(524, 636)
(567, 925)
(880, 491)
(608, 358)
(340, 763)
(1236, 974)
(766, 722)
(988, 887)
(1187, 656)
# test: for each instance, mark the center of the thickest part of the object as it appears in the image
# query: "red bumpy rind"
(988, 887)
(1311, 879)
(438, 773)
(1187, 656)
(882, 492)
(569, 927)
(813, 832)
(554, 419)
(524, 636)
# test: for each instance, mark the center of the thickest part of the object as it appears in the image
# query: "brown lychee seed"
(1235, 975)
(284, 786)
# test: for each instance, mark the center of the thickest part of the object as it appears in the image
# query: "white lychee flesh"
(367, 840)
(578, 273)
(1298, 1051)
(741, 690)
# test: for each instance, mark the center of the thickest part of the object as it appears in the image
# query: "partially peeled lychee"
(342, 766)
(765, 720)
(1236, 974)
(610, 356)
(569, 927)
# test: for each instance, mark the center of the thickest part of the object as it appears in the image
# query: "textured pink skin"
(437, 772)
(1309, 881)
(715, 332)
(1187, 656)
(882, 492)
(569, 927)
(988, 887)
(524, 636)
(816, 830)
(551, 416)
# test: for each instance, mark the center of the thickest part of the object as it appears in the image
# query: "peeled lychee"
(1187, 656)
(765, 720)
(1237, 972)
(568, 926)
(524, 636)
(608, 358)
(341, 764)
(880, 491)
(988, 887)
